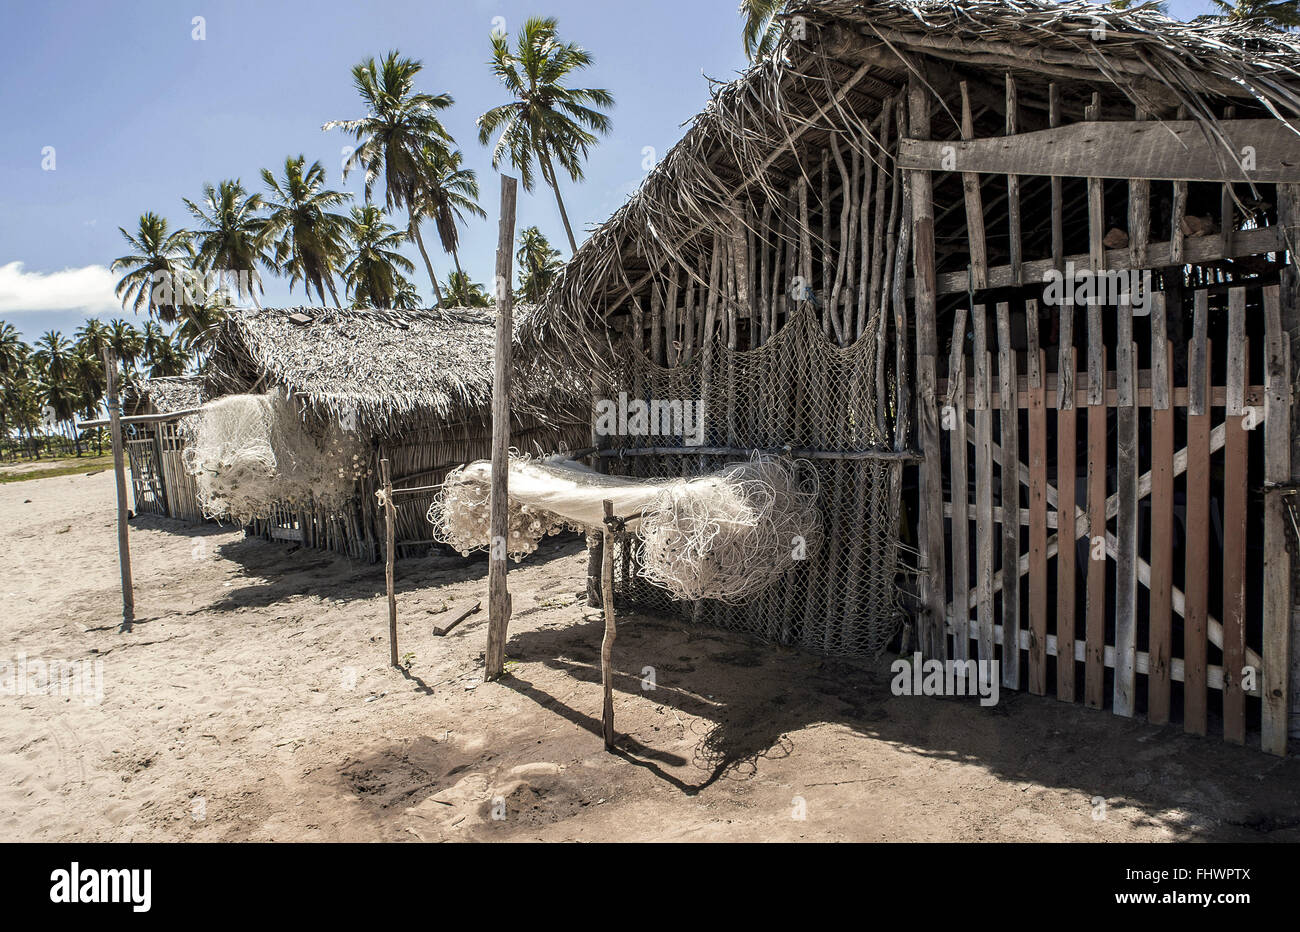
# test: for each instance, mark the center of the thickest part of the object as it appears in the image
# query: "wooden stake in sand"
(115, 430)
(390, 551)
(607, 644)
(498, 593)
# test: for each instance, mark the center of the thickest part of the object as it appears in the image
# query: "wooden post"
(119, 474)
(498, 593)
(607, 644)
(390, 552)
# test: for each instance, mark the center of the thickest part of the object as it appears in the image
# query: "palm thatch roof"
(845, 61)
(378, 366)
(164, 395)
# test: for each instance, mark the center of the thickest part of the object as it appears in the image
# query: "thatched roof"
(376, 365)
(856, 56)
(166, 394)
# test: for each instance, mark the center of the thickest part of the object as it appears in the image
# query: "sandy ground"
(252, 700)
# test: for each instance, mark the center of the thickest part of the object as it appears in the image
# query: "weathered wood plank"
(1197, 565)
(983, 487)
(1126, 525)
(933, 641)
(1058, 203)
(1095, 623)
(1065, 566)
(1096, 203)
(1156, 150)
(1037, 539)
(1199, 250)
(1160, 646)
(1010, 429)
(1197, 359)
(970, 184)
(1276, 649)
(955, 423)
(1013, 191)
(1236, 475)
(1235, 380)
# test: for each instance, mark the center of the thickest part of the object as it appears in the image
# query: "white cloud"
(85, 289)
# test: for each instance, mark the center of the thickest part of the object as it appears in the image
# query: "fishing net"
(799, 392)
(252, 452)
(728, 535)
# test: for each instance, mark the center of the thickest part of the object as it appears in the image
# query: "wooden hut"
(155, 440)
(876, 250)
(415, 385)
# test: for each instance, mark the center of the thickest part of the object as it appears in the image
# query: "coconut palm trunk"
(419, 241)
(548, 171)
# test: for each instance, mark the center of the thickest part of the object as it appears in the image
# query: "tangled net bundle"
(251, 452)
(461, 514)
(725, 536)
(733, 533)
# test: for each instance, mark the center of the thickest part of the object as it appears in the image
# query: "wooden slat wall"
(1142, 471)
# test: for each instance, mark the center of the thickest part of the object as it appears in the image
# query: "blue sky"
(140, 114)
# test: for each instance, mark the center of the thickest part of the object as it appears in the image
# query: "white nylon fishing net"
(723, 536)
(250, 452)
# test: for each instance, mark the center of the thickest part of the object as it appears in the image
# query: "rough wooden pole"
(498, 593)
(119, 474)
(390, 552)
(607, 645)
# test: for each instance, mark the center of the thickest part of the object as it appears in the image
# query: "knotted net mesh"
(797, 392)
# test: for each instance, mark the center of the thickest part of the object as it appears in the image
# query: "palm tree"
(461, 292)
(231, 237)
(538, 264)
(392, 136)
(196, 335)
(166, 357)
(12, 349)
(405, 296)
(159, 256)
(88, 377)
(546, 122)
(1280, 14)
(446, 193)
(761, 27)
(93, 335)
(54, 357)
(311, 240)
(126, 341)
(373, 274)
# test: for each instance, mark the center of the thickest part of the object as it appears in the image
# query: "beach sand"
(252, 700)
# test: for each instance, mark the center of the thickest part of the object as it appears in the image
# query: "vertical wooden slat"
(1160, 648)
(1126, 523)
(1065, 566)
(1196, 601)
(1013, 190)
(1178, 209)
(1227, 206)
(1037, 536)
(1010, 429)
(1235, 478)
(955, 422)
(1139, 215)
(1276, 650)
(1096, 205)
(1235, 386)
(983, 487)
(970, 182)
(1197, 357)
(1058, 209)
(1095, 624)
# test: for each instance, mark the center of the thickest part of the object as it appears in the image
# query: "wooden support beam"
(611, 631)
(933, 640)
(390, 555)
(1156, 150)
(970, 183)
(1276, 647)
(499, 514)
(119, 478)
